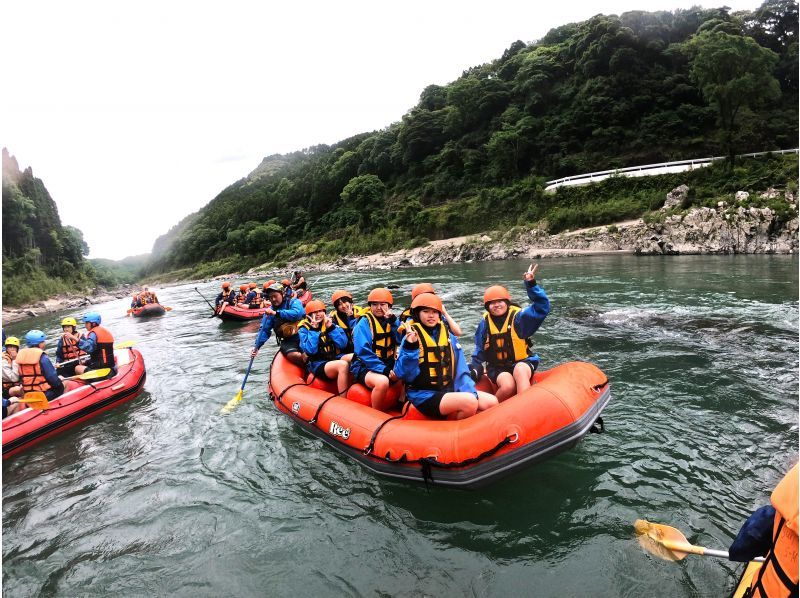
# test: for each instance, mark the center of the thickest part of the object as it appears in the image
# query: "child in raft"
(375, 340)
(502, 337)
(283, 318)
(432, 364)
(426, 287)
(324, 342)
(345, 314)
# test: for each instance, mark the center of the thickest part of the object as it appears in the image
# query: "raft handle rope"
(601, 386)
(403, 412)
(342, 393)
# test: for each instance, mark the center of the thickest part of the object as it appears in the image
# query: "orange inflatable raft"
(547, 419)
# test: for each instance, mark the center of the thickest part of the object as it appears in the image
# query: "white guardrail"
(648, 170)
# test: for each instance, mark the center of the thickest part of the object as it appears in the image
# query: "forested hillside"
(41, 257)
(608, 92)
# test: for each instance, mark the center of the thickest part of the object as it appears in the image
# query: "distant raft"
(80, 402)
(149, 310)
(240, 314)
(304, 296)
(562, 406)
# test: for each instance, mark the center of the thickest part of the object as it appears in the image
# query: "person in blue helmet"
(502, 339)
(98, 344)
(283, 318)
(36, 372)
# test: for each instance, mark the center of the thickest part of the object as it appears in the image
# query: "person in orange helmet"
(502, 337)
(324, 342)
(432, 364)
(253, 297)
(426, 287)
(375, 340)
(772, 531)
(227, 296)
(346, 315)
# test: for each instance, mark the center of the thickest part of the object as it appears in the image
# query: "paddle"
(230, 405)
(36, 400)
(91, 374)
(207, 301)
(670, 544)
(69, 361)
(124, 345)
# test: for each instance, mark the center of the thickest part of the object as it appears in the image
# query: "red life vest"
(103, 355)
(30, 370)
(69, 347)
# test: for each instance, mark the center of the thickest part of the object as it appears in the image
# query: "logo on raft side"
(295, 407)
(337, 430)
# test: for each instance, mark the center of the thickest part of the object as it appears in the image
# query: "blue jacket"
(755, 536)
(309, 342)
(407, 369)
(252, 297)
(362, 346)
(49, 373)
(526, 322)
(291, 310)
(218, 300)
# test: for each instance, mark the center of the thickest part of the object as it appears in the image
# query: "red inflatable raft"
(81, 401)
(151, 309)
(548, 418)
(305, 296)
(239, 314)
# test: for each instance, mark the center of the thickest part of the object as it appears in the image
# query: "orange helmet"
(315, 305)
(268, 284)
(380, 295)
(423, 287)
(341, 295)
(496, 293)
(285, 282)
(242, 287)
(252, 285)
(226, 285)
(428, 300)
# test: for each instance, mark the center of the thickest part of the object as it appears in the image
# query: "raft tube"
(305, 296)
(151, 309)
(80, 402)
(240, 314)
(550, 417)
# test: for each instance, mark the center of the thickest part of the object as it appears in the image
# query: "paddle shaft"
(699, 550)
(206, 300)
(249, 367)
(63, 363)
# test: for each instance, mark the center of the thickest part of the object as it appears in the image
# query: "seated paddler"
(324, 342)
(502, 339)
(36, 372)
(283, 318)
(375, 340)
(98, 344)
(432, 364)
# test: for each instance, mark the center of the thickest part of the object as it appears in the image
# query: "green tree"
(734, 73)
(364, 194)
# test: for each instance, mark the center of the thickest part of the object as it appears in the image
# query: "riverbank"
(727, 229)
(66, 301)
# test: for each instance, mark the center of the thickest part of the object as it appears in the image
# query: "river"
(166, 496)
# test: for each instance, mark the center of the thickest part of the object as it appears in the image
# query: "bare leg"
(486, 401)
(458, 405)
(296, 358)
(379, 385)
(522, 376)
(348, 357)
(339, 370)
(506, 386)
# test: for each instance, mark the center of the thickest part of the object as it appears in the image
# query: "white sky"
(136, 114)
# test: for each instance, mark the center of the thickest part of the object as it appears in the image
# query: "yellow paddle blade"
(230, 405)
(663, 541)
(91, 374)
(166, 308)
(36, 400)
(124, 345)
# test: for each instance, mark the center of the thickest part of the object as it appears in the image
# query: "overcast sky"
(136, 114)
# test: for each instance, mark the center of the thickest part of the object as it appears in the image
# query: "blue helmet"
(34, 337)
(92, 317)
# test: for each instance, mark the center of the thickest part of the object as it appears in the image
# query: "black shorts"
(430, 407)
(291, 345)
(318, 371)
(494, 371)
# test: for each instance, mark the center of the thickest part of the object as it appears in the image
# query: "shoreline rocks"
(63, 302)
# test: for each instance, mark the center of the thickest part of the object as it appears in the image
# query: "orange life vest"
(229, 297)
(103, 355)
(778, 576)
(69, 347)
(30, 370)
(7, 358)
(240, 297)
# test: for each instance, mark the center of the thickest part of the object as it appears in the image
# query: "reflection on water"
(165, 495)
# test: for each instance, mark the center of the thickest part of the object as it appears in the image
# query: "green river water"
(165, 496)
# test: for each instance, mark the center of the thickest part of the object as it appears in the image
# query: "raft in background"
(545, 420)
(80, 402)
(146, 311)
(241, 314)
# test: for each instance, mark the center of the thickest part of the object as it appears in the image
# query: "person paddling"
(36, 371)
(501, 339)
(375, 340)
(98, 343)
(432, 364)
(324, 343)
(227, 296)
(282, 317)
(67, 349)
